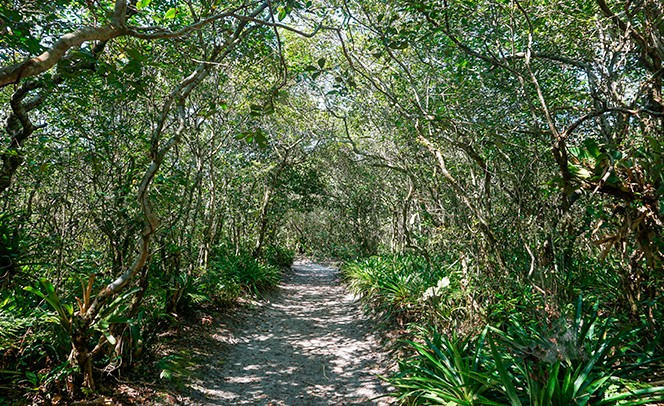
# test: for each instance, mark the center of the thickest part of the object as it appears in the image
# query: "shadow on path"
(310, 346)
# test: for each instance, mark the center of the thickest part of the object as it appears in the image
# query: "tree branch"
(37, 65)
(119, 13)
(33, 67)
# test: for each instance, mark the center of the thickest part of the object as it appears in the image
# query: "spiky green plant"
(578, 365)
(587, 362)
(445, 371)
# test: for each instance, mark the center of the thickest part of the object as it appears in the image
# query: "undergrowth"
(35, 341)
(470, 345)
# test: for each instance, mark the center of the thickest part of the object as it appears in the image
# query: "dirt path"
(311, 345)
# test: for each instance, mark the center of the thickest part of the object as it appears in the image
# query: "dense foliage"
(529, 352)
(475, 163)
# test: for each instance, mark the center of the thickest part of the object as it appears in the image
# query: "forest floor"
(309, 343)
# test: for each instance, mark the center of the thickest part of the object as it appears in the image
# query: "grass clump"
(230, 276)
(408, 288)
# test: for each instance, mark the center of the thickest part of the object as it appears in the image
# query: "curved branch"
(278, 25)
(33, 67)
(161, 33)
(19, 128)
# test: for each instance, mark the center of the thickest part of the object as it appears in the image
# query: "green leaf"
(553, 381)
(109, 337)
(141, 4)
(282, 13)
(321, 63)
(32, 377)
(111, 308)
(613, 180)
(260, 139)
(646, 395)
(505, 378)
(256, 110)
(574, 151)
(171, 13)
(34, 291)
(592, 147)
(398, 45)
(47, 293)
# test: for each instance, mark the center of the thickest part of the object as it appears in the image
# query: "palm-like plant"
(446, 371)
(577, 367)
(588, 364)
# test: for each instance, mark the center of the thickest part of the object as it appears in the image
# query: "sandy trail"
(311, 345)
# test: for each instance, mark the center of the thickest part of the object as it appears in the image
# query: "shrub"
(33, 345)
(279, 256)
(231, 275)
(407, 288)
